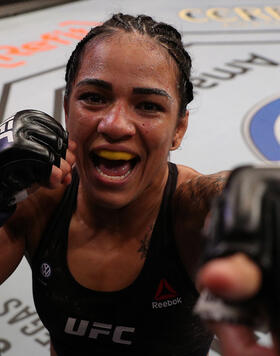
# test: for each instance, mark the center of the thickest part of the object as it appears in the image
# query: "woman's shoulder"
(193, 198)
(191, 204)
(195, 185)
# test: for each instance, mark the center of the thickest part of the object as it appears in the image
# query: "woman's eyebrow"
(95, 82)
(151, 91)
(108, 86)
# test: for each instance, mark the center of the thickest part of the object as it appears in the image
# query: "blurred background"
(234, 117)
(15, 7)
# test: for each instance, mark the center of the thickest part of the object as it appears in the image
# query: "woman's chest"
(105, 267)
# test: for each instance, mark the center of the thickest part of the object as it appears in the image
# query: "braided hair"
(166, 35)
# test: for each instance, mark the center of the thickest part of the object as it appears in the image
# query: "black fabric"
(6, 212)
(153, 316)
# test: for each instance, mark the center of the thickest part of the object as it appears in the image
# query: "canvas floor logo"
(261, 129)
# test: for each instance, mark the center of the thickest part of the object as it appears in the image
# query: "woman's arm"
(11, 252)
(53, 353)
(191, 205)
(13, 237)
(22, 230)
(242, 262)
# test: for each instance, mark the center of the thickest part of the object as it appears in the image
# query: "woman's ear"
(180, 131)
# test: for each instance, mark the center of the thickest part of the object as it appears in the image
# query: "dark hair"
(165, 34)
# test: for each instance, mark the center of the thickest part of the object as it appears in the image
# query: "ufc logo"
(6, 130)
(82, 327)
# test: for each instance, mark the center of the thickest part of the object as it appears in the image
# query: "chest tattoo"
(144, 243)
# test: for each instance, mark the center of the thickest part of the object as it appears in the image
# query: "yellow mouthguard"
(114, 155)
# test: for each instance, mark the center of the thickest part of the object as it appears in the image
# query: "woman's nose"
(116, 125)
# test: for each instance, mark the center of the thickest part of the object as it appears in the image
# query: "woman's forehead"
(126, 39)
(128, 52)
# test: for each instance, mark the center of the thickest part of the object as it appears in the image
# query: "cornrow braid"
(166, 35)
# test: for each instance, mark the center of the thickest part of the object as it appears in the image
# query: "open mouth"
(114, 165)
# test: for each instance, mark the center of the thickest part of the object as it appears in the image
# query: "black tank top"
(153, 316)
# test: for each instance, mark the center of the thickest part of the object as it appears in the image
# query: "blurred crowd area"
(15, 7)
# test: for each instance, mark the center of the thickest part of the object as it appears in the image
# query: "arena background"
(234, 118)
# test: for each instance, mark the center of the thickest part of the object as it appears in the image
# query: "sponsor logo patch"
(166, 296)
(46, 270)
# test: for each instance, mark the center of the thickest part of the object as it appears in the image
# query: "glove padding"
(246, 218)
(31, 142)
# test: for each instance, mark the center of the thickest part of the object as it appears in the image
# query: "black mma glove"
(31, 141)
(246, 218)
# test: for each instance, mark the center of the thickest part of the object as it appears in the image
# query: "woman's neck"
(128, 220)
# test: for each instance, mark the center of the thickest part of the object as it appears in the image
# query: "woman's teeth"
(115, 165)
(113, 177)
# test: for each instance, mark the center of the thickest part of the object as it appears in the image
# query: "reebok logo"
(166, 296)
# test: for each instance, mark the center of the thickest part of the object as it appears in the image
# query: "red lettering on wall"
(48, 41)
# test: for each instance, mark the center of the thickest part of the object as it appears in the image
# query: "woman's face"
(123, 114)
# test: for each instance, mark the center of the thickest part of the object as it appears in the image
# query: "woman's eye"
(92, 98)
(149, 106)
